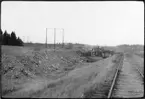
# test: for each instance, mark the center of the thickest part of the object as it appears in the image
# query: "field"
(34, 71)
(20, 64)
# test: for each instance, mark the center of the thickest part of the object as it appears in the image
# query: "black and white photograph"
(72, 49)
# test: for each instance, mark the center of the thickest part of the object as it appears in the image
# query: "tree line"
(10, 39)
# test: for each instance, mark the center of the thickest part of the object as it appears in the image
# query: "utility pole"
(27, 39)
(23, 38)
(62, 37)
(46, 37)
(54, 38)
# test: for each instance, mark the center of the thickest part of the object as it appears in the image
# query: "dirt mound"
(41, 63)
(24, 64)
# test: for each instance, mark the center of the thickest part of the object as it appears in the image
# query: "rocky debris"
(38, 63)
(18, 69)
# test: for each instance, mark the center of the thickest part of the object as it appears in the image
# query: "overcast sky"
(95, 23)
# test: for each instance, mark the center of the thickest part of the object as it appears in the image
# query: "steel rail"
(139, 72)
(114, 79)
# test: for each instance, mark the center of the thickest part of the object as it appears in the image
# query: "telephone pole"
(23, 38)
(54, 38)
(46, 37)
(62, 37)
(27, 39)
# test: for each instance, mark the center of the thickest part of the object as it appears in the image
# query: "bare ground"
(23, 65)
(49, 75)
(74, 84)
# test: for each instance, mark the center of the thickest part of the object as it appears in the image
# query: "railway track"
(142, 75)
(127, 82)
(101, 90)
(115, 77)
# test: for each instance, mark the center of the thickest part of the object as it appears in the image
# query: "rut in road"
(129, 83)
